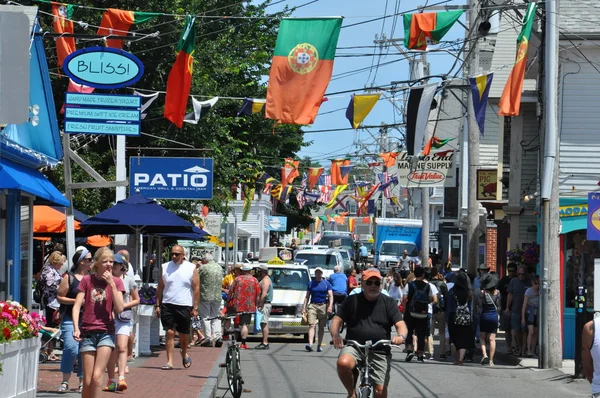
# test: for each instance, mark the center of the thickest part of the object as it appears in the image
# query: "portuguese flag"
(418, 27)
(117, 22)
(180, 77)
(301, 68)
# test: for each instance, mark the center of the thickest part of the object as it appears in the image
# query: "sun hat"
(246, 267)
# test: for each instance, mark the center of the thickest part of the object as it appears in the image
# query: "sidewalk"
(145, 377)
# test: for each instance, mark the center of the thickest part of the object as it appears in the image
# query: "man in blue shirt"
(317, 304)
(339, 284)
(364, 253)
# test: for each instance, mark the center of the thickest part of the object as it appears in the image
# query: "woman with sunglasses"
(99, 294)
(131, 299)
(529, 317)
(67, 292)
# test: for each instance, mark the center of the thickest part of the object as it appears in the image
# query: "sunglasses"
(376, 283)
(521, 274)
(176, 254)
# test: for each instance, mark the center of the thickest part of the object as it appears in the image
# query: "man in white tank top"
(178, 291)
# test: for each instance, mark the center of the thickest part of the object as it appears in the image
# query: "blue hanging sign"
(104, 114)
(593, 227)
(103, 67)
(109, 128)
(110, 100)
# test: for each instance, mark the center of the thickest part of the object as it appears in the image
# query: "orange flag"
(336, 174)
(389, 158)
(510, 102)
(63, 15)
(117, 22)
(313, 176)
(289, 171)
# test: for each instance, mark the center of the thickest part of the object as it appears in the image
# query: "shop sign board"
(433, 170)
(487, 184)
(593, 227)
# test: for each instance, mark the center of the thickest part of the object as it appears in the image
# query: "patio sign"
(171, 178)
(593, 228)
(103, 67)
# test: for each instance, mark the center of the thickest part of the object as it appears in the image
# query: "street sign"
(128, 129)
(593, 227)
(110, 100)
(171, 178)
(123, 115)
(103, 67)
(276, 223)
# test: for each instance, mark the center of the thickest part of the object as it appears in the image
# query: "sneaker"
(121, 385)
(262, 346)
(319, 349)
(219, 342)
(409, 356)
(111, 386)
(485, 360)
(491, 364)
(308, 348)
(420, 358)
(244, 346)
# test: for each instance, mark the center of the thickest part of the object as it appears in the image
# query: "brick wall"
(491, 246)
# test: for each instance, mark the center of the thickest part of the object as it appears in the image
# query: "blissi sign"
(103, 67)
(171, 178)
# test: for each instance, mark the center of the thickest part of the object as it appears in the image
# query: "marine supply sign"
(433, 170)
(171, 178)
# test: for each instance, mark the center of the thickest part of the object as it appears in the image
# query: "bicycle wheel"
(365, 392)
(234, 373)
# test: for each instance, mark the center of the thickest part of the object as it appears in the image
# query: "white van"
(290, 282)
(324, 258)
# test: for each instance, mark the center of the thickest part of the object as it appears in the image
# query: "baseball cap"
(319, 269)
(264, 267)
(371, 273)
(247, 267)
(119, 259)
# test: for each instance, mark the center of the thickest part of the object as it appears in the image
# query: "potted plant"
(147, 300)
(148, 325)
(19, 350)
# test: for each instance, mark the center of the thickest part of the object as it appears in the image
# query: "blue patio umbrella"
(196, 234)
(136, 214)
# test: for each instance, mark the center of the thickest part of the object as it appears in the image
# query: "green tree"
(232, 58)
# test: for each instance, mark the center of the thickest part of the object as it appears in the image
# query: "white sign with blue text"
(171, 178)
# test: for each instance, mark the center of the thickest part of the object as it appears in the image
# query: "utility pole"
(473, 152)
(383, 147)
(550, 319)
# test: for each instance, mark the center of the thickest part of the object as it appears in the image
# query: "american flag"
(304, 180)
(325, 180)
(326, 194)
(300, 198)
(385, 186)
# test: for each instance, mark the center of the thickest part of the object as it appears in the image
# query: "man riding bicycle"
(368, 316)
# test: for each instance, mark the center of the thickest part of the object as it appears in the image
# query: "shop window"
(25, 245)
(579, 266)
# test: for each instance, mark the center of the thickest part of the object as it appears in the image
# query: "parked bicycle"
(232, 358)
(365, 388)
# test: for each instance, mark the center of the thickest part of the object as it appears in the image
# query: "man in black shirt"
(503, 289)
(368, 315)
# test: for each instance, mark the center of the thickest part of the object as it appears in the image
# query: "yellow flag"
(359, 107)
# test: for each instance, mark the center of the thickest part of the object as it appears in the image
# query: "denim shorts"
(92, 340)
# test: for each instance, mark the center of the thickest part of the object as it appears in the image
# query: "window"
(313, 260)
(397, 249)
(242, 244)
(289, 279)
(254, 242)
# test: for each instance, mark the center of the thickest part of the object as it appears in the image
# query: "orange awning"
(48, 220)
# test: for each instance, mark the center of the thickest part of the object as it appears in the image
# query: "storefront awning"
(570, 224)
(16, 176)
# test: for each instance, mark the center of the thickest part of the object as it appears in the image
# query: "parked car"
(324, 258)
(344, 241)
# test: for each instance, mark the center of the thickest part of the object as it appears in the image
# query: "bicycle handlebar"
(369, 344)
(226, 316)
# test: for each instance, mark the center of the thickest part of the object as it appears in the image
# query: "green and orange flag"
(117, 22)
(180, 77)
(63, 23)
(510, 101)
(418, 27)
(301, 68)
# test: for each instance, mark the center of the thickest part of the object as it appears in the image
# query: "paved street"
(287, 370)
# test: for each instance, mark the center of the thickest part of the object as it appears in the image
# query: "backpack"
(442, 288)
(462, 316)
(419, 303)
(38, 292)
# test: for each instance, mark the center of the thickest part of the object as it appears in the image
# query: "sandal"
(64, 387)
(80, 388)
(187, 361)
(167, 367)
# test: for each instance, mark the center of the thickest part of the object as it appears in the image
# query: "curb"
(214, 378)
(510, 360)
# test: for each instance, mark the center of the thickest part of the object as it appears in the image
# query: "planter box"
(145, 310)
(148, 331)
(20, 364)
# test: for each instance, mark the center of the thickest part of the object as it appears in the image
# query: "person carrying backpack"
(459, 316)
(418, 312)
(438, 321)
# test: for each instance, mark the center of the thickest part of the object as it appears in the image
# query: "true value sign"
(171, 178)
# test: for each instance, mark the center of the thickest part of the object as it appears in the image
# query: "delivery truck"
(392, 237)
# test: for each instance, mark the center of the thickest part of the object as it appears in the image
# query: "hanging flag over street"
(301, 68)
(252, 105)
(510, 101)
(432, 25)
(201, 109)
(435, 143)
(313, 176)
(417, 113)
(359, 107)
(63, 23)
(117, 23)
(480, 89)
(148, 99)
(180, 77)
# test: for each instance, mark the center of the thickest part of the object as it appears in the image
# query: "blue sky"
(327, 145)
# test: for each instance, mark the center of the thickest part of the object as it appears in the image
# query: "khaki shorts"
(266, 312)
(317, 313)
(380, 364)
